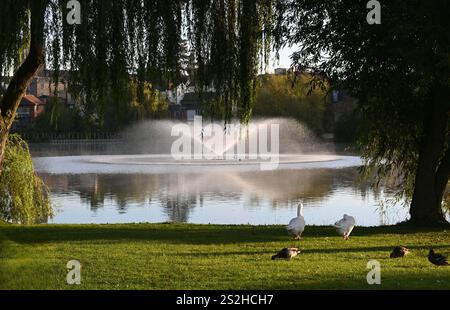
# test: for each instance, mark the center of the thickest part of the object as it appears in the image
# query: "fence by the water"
(84, 141)
(71, 137)
(64, 144)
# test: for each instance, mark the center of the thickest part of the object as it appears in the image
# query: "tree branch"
(35, 59)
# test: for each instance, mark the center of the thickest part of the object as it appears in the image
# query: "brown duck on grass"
(287, 253)
(399, 251)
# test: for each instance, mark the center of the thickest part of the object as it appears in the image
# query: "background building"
(30, 108)
(185, 103)
(44, 88)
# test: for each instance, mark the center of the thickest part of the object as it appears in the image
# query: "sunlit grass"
(178, 256)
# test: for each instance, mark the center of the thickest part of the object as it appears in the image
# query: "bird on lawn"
(296, 226)
(437, 259)
(345, 226)
(286, 253)
(399, 251)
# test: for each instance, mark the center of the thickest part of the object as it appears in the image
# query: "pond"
(134, 189)
(136, 178)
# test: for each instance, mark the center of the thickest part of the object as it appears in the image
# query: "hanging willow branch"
(124, 41)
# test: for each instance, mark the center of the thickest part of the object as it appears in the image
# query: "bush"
(346, 128)
(24, 198)
(278, 96)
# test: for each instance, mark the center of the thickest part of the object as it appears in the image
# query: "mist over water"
(154, 137)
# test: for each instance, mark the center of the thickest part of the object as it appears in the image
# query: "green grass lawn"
(182, 256)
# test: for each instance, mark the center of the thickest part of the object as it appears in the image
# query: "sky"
(284, 61)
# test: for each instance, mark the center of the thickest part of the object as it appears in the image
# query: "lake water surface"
(87, 192)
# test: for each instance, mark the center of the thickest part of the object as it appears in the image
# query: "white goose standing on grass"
(345, 226)
(297, 225)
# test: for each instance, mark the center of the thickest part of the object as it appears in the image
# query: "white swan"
(345, 226)
(297, 225)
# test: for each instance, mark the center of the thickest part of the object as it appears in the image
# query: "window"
(190, 115)
(335, 96)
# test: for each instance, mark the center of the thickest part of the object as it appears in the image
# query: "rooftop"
(30, 100)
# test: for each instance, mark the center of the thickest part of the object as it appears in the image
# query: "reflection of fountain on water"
(257, 197)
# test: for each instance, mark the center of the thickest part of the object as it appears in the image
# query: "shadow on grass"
(386, 249)
(425, 280)
(269, 251)
(183, 233)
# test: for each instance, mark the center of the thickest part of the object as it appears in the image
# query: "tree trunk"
(3, 139)
(443, 175)
(24, 75)
(433, 169)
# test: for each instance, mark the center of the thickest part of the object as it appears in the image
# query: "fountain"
(168, 146)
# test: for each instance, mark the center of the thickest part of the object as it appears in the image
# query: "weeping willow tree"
(399, 72)
(121, 42)
(24, 198)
